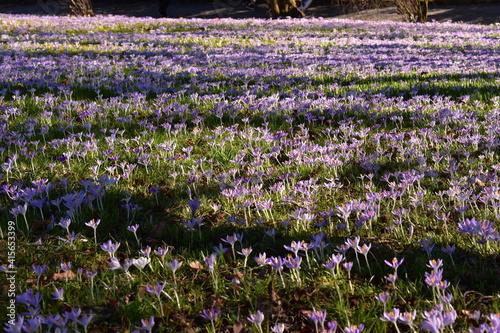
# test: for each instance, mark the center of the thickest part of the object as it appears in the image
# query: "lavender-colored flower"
(332, 326)
(72, 315)
(58, 295)
(394, 263)
(31, 325)
(147, 324)
(110, 247)
(93, 223)
(427, 245)
(433, 323)
(174, 265)
(211, 260)
(65, 223)
(126, 264)
(353, 243)
(29, 298)
(161, 251)
(294, 246)
(256, 318)
(391, 278)
(114, 264)
(146, 252)
(391, 316)
(133, 228)
(15, 326)
(65, 266)
(334, 262)
(220, 249)
(278, 328)
(355, 328)
(39, 269)
(407, 318)
(292, 262)
(211, 314)
(261, 259)
(70, 237)
(194, 205)
(90, 274)
(383, 297)
(449, 249)
(348, 266)
(435, 264)
(245, 251)
(494, 323)
(276, 263)
(318, 317)
(156, 289)
(85, 320)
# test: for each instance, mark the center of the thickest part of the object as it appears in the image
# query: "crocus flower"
(110, 247)
(318, 317)
(391, 316)
(114, 264)
(84, 320)
(15, 326)
(58, 295)
(194, 205)
(384, 298)
(394, 263)
(355, 328)
(261, 259)
(141, 262)
(174, 265)
(278, 328)
(210, 314)
(156, 289)
(147, 324)
(257, 319)
(211, 261)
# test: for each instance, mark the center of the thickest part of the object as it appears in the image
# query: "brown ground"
(476, 14)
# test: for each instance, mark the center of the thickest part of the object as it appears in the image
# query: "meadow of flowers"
(189, 175)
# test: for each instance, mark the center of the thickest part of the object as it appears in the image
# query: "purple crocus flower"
(110, 247)
(391, 316)
(211, 261)
(355, 328)
(15, 326)
(211, 314)
(147, 324)
(318, 317)
(261, 259)
(173, 265)
(194, 205)
(58, 295)
(156, 289)
(256, 318)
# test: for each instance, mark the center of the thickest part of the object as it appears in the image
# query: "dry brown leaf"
(195, 265)
(237, 327)
(129, 298)
(68, 275)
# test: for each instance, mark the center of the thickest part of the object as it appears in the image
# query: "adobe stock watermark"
(51, 7)
(10, 270)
